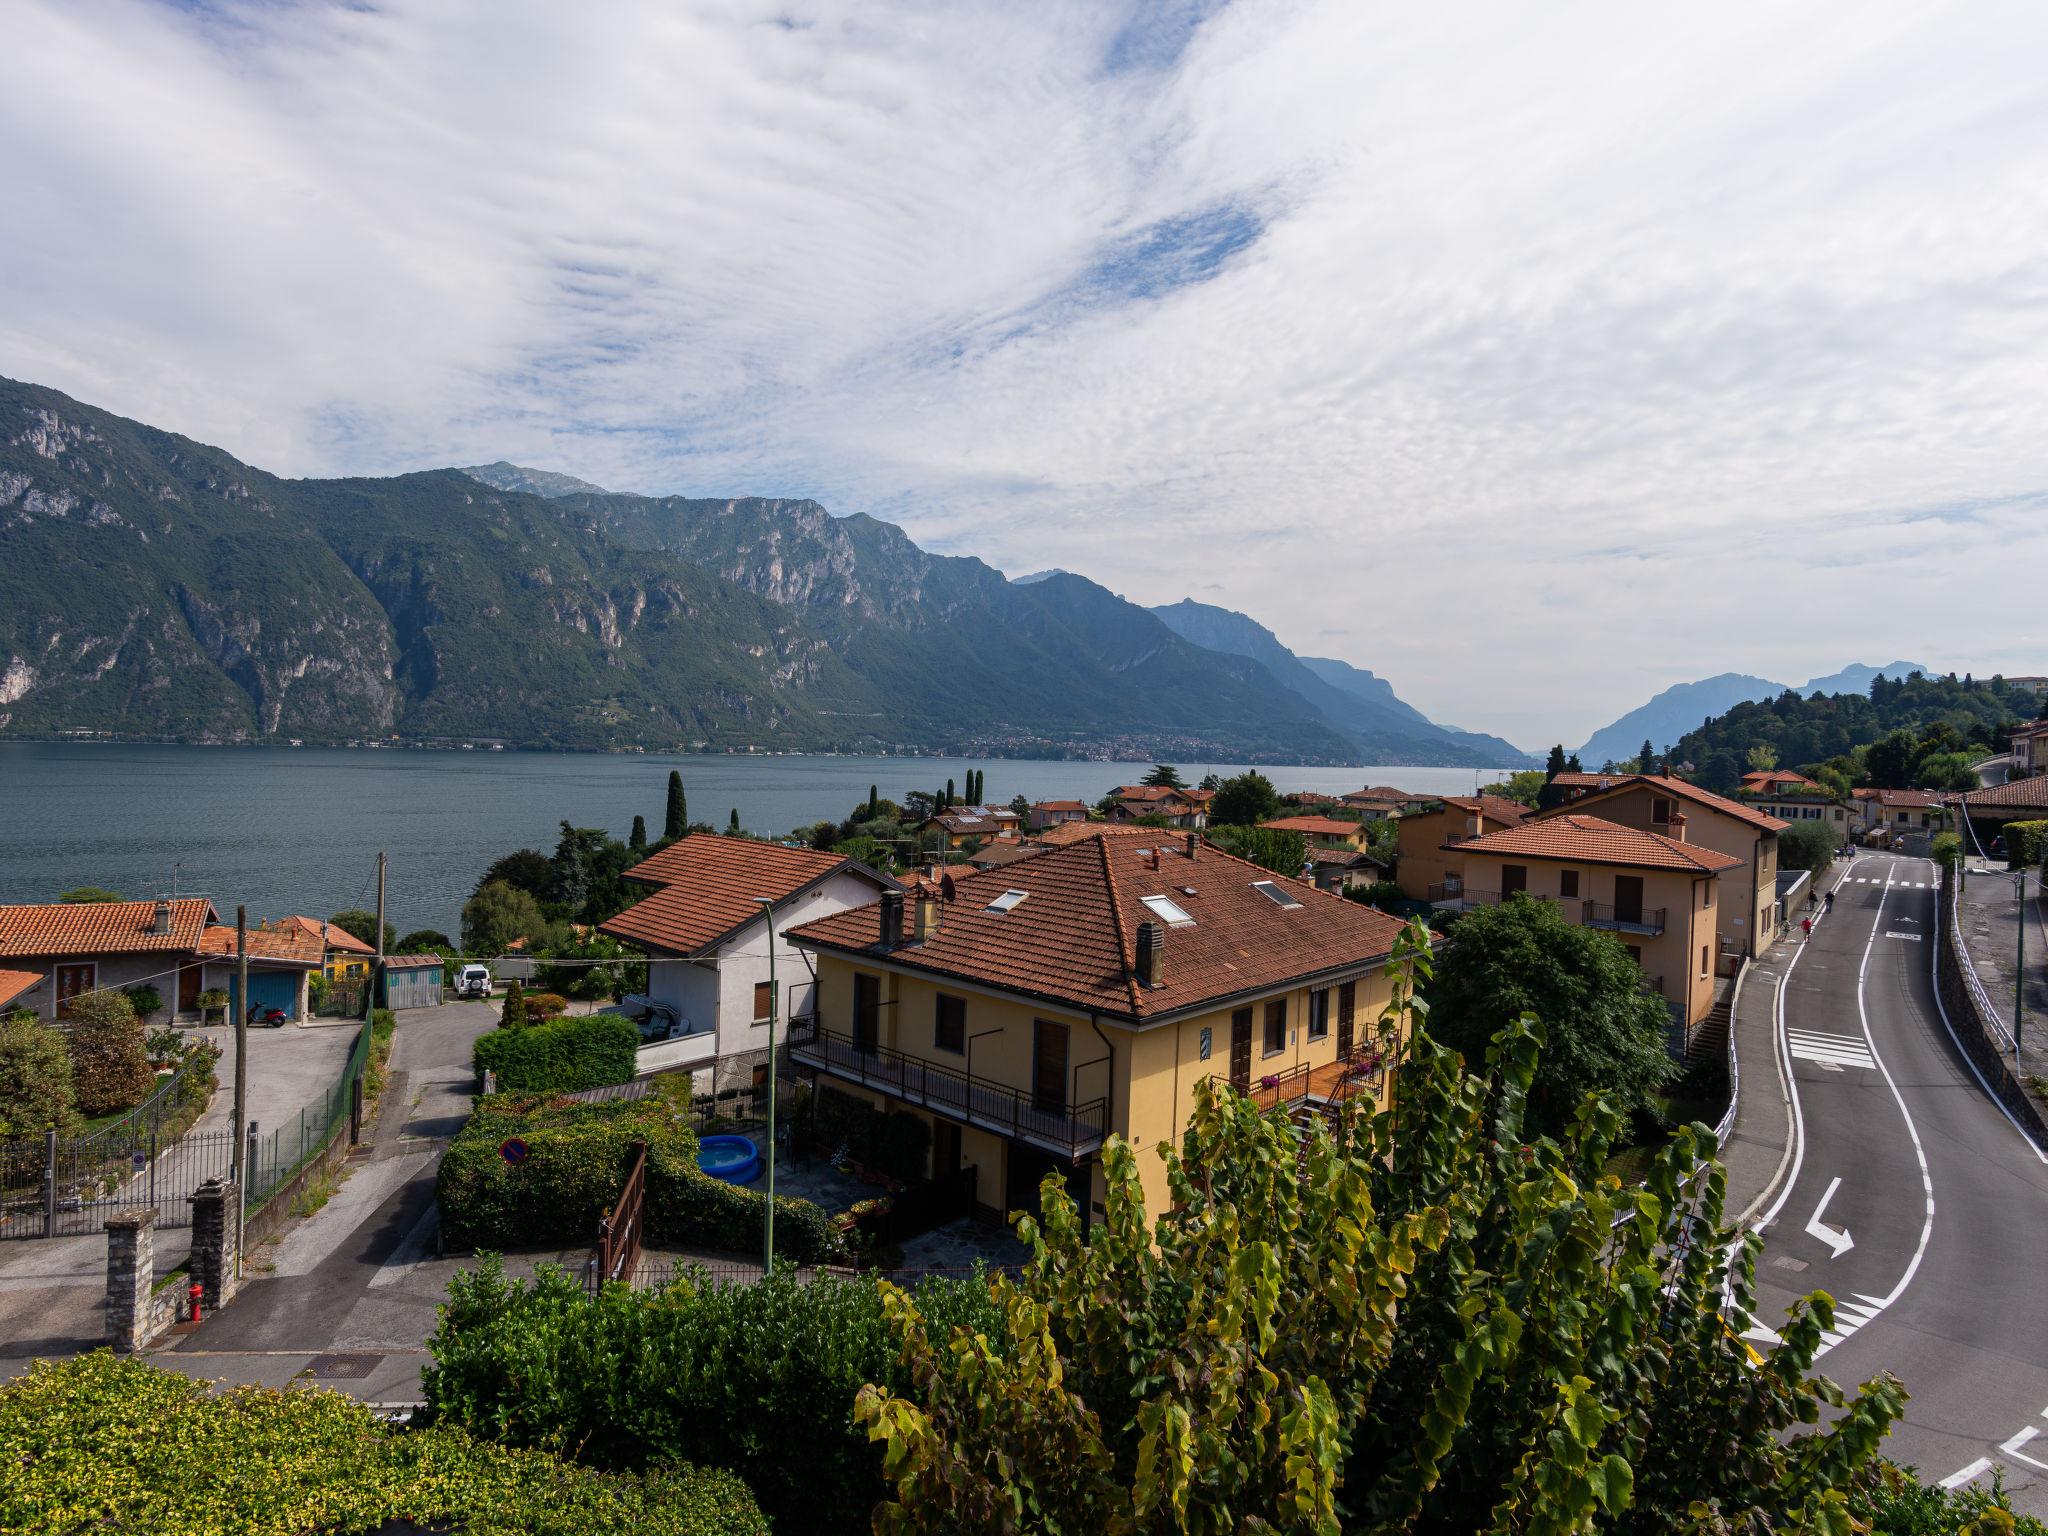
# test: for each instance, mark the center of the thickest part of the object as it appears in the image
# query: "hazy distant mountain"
(537, 482)
(1685, 706)
(1351, 699)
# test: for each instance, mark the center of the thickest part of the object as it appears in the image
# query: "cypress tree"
(678, 815)
(874, 803)
(949, 792)
(1555, 765)
(1646, 760)
(732, 827)
(639, 836)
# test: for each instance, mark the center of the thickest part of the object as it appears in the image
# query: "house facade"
(1087, 993)
(2029, 751)
(1184, 808)
(1344, 869)
(282, 960)
(77, 947)
(344, 957)
(1842, 818)
(1890, 814)
(1429, 867)
(1322, 831)
(966, 824)
(1056, 813)
(1748, 901)
(705, 934)
(1655, 892)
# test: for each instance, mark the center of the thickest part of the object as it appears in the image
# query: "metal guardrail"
(1069, 1130)
(1986, 1014)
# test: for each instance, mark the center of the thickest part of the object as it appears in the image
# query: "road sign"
(513, 1150)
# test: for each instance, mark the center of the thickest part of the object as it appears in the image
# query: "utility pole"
(774, 1006)
(377, 971)
(241, 1039)
(2019, 975)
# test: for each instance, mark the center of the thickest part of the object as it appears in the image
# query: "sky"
(1535, 357)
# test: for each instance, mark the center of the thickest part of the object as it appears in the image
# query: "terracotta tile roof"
(998, 854)
(1776, 778)
(1069, 833)
(1348, 857)
(1317, 826)
(1590, 780)
(1690, 793)
(293, 945)
(1493, 807)
(2022, 793)
(100, 928)
(970, 821)
(1156, 792)
(1913, 799)
(335, 938)
(1060, 805)
(1583, 839)
(1073, 938)
(706, 885)
(14, 983)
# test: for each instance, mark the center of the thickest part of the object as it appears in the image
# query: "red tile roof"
(100, 928)
(1492, 807)
(2023, 793)
(1681, 790)
(1060, 805)
(333, 937)
(1775, 778)
(967, 821)
(1317, 826)
(1582, 839)
(706, 885)
(14, 983)
(1348, 857)
(1912, 799)
(293, 945)
(1073, 939)
(1068, 833)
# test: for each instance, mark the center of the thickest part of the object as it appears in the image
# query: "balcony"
(1071, 1131)
(1334, 1082)
(1647, 921)
(1459, 897)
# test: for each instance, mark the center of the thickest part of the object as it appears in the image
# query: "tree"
(603, 967)
(1571, 764)
(498, 914)
(528, 869)
(1762, 757)
(918, 806)
(949, 793)
(637, 838)
(1021, 809)
(1646, 758)
(874, 803)
(1440, 1326)
(362, 926)
(36, 1093)
(1268, 847)
(109, 1066)
(1605, 1034)
(1945, 771)
(1890, 760)
(1211, 783)
(1244, 800)
(425, 941)
(677, 816)
(86, 895)
(512, 1012)
(1806, 845)
(1523, 787)
(732, 825)
(586, 876)
(1554, 764)
(1163, 776)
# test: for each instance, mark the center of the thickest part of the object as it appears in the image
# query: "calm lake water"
(297, 830)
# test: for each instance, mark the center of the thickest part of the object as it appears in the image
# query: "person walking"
(1827, 903)
(1805, 929)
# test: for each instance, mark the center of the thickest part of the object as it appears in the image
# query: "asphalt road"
(1913, 1200)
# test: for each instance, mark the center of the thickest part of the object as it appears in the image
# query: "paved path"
(1911, 1198)
(1991, 915)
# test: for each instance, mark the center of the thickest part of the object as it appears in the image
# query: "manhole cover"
(1785, 1262)
(353, 1367)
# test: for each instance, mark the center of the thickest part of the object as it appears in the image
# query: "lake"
(298, 829)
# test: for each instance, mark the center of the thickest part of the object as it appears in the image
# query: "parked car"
(473, 981)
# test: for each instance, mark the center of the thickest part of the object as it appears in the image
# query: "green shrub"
(896, 1144)
(560, 1056)
(105, 1444)
(35, 1079)
(1807, 845)
(759, 1379)
(545, 1005)
(109, 1067)
(1948, 850)
(1893, 1502)
(145, 1000)
(2026, 844)
(577, 1158)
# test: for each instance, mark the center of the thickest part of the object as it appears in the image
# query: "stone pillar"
(217, 1240)
(131, 1276)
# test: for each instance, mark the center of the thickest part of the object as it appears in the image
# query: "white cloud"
(1534, 358)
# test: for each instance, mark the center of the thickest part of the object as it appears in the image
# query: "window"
(1276, 1026)
(1568, 882)
(1660, 810)
(1168, 911)
(1513, 878)
(949, 1029)
(1705, 963)
(1008, 901)
(1319, 1013)
(1270, 889)
(764, 1001)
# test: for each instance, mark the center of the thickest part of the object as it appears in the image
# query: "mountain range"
(1684, 706)
(155, 587)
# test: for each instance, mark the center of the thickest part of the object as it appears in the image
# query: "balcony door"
(1347, 1011)
(1048, 1065)
(1241, 1048)
(867, 1012)
(1628, 898)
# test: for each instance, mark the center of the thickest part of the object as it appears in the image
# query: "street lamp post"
(774, 1006)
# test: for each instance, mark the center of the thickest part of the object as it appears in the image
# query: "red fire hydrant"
(195, 1293)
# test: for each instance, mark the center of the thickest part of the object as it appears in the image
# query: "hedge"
(2026, 844)
(575, 1164)
(561, 1056)
(97, 1443)
(759, 1379)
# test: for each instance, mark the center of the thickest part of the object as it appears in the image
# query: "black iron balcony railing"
(1453, 891)
(1600, 914)
(1363, 1071)
(1072, 1130)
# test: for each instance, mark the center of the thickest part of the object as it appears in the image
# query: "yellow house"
(1749, 895)
(345, 957)
(1430, 868)
(1085, 993)
(1658, 894)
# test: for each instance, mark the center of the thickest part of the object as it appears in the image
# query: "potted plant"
(213, 1006)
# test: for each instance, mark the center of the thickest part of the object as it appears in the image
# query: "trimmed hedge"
(563, 1055)
(577, 1157)
(97, 1443)
(2026, 844)
(759, 1379)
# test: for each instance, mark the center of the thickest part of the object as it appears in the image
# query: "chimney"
(160, 919)
(892, 919)
(1194, 843)
(927, 921)
(1475, 823)
(1678, 823)
(1151, 952)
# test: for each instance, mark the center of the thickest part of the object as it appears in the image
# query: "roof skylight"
(1272, 891)
(1167, 910)
(1008, 901)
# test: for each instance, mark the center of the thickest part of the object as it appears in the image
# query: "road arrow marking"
(1840, 1241)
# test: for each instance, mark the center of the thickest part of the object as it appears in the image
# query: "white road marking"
(1894, 934)
(2012, 1448)
(1837, 1239)
(1759, 1334)
(1835, 1051)
(1976, 1468)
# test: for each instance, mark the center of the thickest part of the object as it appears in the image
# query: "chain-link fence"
(277, 1152)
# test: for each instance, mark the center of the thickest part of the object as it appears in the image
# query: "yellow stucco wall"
(1748, 895)
(1423, 860)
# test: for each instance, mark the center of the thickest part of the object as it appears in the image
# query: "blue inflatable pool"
(731, 1158)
